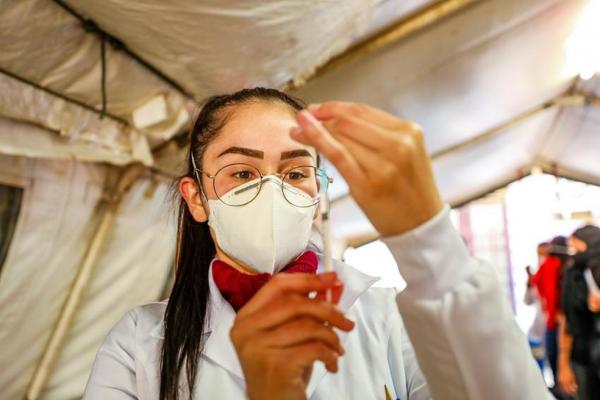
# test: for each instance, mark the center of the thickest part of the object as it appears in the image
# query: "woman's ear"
(190, 192)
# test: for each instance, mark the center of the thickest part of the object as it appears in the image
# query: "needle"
(326, 238)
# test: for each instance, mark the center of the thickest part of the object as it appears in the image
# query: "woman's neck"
(233, 263)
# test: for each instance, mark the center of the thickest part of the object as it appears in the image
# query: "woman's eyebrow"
(243, 151)
(295, 153)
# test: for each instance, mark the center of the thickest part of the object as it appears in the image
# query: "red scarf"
(238, 288)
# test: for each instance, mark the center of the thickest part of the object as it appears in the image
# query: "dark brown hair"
(187, 308)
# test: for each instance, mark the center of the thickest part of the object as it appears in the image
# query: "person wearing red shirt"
(547, 280)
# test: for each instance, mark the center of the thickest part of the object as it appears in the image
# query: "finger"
(305, 355)
(321, 140)
(569, 387)
(333, 109)
(300, 331)
(364, 132)
(293, 307)
(282, 284)
(378, 170)
(371, 162)
(336, 293)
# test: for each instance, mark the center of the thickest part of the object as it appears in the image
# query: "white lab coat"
(466, 340)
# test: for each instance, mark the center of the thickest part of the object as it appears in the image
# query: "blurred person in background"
(592, 277)
(537, 330)
(576, 373)
(548, 281)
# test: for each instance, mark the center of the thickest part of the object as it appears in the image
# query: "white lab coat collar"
(219, 348)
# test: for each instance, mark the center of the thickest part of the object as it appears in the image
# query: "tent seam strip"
(63, 97)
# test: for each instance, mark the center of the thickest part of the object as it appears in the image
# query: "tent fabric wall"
(24, 139)
(56, 223)
(480, 69)
(503, 158)
(268, 42)
(133, 270)
(44, 44)
(483, 67)
(23, 102)
(572, 146)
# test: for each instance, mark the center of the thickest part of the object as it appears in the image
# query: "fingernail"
(295, 131)
(307, 118)
(306, 115)
(313, 107)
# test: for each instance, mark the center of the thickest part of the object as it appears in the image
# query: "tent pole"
(418, 21)
(577, 99)
(553, 168)
(109, 206)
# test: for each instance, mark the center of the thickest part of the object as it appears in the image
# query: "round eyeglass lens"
(237, 184)
(301, 185)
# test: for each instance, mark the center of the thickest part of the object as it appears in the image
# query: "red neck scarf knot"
(238, 288)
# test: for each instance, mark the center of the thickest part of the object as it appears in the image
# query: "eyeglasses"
(238, 184)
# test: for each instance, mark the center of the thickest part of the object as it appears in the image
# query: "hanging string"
(103, 74)
(91, 27)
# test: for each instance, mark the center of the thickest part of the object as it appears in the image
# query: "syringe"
(324, 208)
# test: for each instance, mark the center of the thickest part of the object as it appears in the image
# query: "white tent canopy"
(482, 69)
(490, 82)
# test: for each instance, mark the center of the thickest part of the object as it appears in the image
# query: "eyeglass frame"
(280, 176)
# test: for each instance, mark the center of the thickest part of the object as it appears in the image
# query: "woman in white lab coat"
(235, 327)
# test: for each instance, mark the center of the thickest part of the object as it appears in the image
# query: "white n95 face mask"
(265, 234)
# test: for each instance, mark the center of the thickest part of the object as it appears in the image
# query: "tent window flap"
(10, 205)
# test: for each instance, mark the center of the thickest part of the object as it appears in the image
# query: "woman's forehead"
(260, 126)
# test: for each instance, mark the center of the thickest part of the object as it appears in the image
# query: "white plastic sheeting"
(54, 229)
(17, 138)
(268, 43)
(466, 74)
(133, 270)
(43, 44)
(572, 147)
(479, 168)
(52, 234)
(216, 46)
(482, 68)
(24, 102)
